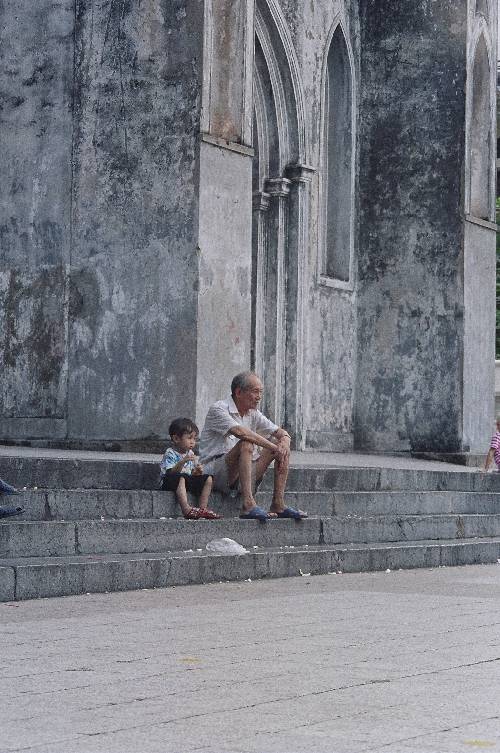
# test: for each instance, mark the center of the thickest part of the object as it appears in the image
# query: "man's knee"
(246, 448)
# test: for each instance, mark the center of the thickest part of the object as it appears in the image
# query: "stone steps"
(36, 577)
(102, 525)
(82, 504)
(60, 538)
(399, 502)
(71, 473)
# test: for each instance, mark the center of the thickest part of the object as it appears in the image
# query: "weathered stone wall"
(126, 219)
(225, 259)
(100, 163)
(36, 62)
(330, 350)
(411, 303)
(134, 265)
(479, 336)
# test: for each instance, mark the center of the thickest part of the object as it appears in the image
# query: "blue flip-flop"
(291, 512)
(6, 488)
(7, 512)
(256, 513)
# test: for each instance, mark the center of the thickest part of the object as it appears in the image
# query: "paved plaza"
(393, 662)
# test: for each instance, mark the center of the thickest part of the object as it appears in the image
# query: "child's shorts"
(194, 484)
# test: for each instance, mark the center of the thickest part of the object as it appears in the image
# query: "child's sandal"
(209, 514)
(193, 514)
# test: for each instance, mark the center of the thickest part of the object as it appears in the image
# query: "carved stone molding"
(260, 201)
(300, 173)
(279, 187)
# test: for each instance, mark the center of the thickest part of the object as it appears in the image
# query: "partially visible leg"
(205, 493)
(239, 467)
(266, 457)
(181, 496)
(281, 469)
(280, 477)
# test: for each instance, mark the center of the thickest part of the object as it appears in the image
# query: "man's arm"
(283, 443)
(489, 458)
(280, 447)
(241, 432)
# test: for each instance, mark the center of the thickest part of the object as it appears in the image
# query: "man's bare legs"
(239, 464)
(281, 468)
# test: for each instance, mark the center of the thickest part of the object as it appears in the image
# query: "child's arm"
(171, 463)
(177, 468)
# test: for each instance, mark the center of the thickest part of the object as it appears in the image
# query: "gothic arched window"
(480, 134)
(338, 160)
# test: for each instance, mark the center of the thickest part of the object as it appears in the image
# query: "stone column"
(225, 201)
(275, 313)
(426, 278)
(261, 201)
(297, 276)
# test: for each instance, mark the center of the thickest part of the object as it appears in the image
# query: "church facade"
(191, 188)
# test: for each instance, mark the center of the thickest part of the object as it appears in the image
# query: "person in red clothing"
(494, 451)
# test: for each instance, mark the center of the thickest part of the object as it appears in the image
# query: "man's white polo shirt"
(215, 440)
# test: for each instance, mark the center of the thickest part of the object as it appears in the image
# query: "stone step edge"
(262, 490)
(350, 517)
(42, 577)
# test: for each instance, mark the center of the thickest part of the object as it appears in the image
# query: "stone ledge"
(231, 146)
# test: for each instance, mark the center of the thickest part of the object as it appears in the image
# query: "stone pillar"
(297, 276)
(126, 227)
(414, 305)
(225, 201)
(275, 314)
(36, 67)
(261, 202)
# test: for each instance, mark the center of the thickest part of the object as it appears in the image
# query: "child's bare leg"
(205, 493)
(181, 495)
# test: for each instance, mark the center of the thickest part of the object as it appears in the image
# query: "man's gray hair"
(241, 381)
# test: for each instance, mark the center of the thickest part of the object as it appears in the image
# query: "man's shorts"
(219, 471)
(194, 484)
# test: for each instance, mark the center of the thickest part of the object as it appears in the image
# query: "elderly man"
(237, 445)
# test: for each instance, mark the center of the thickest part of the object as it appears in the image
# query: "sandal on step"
(193, 514)
(208, 514)
(291, 512)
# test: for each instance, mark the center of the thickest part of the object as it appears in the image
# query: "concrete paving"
(397, 662)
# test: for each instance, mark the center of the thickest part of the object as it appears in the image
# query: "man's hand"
(197, 470)
(282, 449)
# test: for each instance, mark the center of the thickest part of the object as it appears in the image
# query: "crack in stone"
(433, 732)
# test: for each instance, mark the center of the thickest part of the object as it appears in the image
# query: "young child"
(180, 471)
(494, 451)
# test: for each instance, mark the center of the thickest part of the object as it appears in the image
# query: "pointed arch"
(480, 132)
(280, 218)
(482, 7)
(273, 36)
(338, 160)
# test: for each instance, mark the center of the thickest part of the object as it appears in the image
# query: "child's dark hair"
(181, 426)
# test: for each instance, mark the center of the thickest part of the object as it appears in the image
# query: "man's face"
(250, 397)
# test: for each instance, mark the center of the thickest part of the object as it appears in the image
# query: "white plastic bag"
(226, 546)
